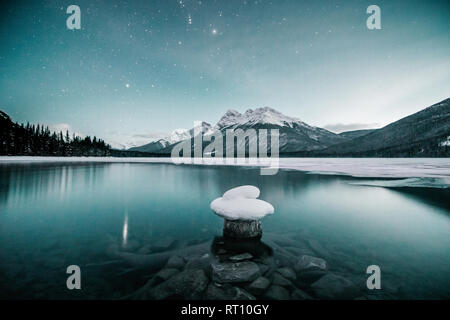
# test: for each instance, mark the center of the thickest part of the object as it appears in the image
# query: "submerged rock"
(276, 293)
(263, 268)
(146, 249)
(310, 263)
(318, 248)
(202, 262)
(165, 274)
(163, 244)
(298, 294)
(131, 245)
(288, 273)
(241, 294)
(175, 262)
(227, 293)
(305, 278)
(218, 293)
(332, 286)
(230, 272)
(241, 257)
(279, 280)
(188, 284)
(259, 285)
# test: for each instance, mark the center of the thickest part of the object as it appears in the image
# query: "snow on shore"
(430, 172)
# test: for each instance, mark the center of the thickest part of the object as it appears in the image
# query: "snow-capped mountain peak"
(230, 118)
(294, 134)
(179, 135)
(265, 115)
(182, 134)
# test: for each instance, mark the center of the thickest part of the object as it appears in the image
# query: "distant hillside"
(422, 134)
(154, 146)
(355, 133)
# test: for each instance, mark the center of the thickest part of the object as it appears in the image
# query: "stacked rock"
(242, 212)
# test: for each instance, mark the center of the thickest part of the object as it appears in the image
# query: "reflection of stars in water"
(214, 31)
(189, 19)
(125, 229)
(127, 85)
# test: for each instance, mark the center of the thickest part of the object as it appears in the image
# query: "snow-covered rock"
(241, 209)
(242, 212)
(241, 204)
(242, 192)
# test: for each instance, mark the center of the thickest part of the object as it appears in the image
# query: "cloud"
(342, 127)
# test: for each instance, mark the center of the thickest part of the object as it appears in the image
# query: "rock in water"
(163, 244)
(217, 293)
(288, 273)
(259, 285)
(305, 278)
(242, 212)
(310, 263)
(175, 262)
(279, 280)
(202, 262)
(298, 294)
(242, 229)
(276, 293)
(241, 257)
(230, 293)
(165, 274)
(332, 286)
(241, 294)
(228, 272)
(188, 284)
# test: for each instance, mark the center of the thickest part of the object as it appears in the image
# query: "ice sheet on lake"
(408, 182)
(429, 172)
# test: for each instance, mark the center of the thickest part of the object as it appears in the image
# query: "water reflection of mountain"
(37, 180)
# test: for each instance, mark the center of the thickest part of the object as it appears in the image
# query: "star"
(214, 31)
(127, 85)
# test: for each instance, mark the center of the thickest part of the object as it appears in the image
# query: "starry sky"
(139, 69)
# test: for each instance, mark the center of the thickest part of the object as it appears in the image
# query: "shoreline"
(401, 172)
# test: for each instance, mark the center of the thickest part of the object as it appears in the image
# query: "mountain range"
(425, 133)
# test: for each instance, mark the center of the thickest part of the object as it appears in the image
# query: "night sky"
(144, 68)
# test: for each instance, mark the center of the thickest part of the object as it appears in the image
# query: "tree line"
(37, 140)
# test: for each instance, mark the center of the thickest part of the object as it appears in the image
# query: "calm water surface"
(55, 215)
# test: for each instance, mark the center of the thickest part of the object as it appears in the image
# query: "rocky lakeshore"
(277, 268)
